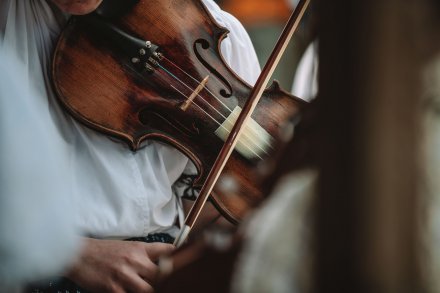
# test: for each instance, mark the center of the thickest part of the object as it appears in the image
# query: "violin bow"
(242, 119)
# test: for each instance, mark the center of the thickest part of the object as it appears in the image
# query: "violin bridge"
(254, 142)
(194, 94)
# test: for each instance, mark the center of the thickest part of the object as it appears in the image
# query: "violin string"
(192, 90)
(193, 78)
(215, 109)
(212, 94)
(215, 120)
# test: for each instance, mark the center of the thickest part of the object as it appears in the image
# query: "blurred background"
(264, 21)
(376, 209)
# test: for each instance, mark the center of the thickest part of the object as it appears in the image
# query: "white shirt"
(305, 82)
(115, 192)
(276, 254)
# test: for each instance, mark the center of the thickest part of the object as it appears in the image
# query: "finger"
(148, 271)
(129, 279)
(111, 287)
(137, 284)
(155, 250)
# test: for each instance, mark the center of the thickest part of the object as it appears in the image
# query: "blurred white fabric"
(36, 215)
(276, 254)
(305, 82)
(430, 184)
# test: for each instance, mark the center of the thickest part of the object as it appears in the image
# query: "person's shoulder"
(237, 49)
(223, 18)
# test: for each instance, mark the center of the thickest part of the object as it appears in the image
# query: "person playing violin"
(118, 194)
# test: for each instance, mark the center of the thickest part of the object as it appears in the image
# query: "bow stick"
(242, 119)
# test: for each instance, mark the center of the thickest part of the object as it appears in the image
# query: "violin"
(156, 72)
(214, 256)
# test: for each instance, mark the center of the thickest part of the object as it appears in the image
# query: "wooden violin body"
(135, 94)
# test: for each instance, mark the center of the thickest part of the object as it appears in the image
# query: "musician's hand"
(77, 6)
(117, 266)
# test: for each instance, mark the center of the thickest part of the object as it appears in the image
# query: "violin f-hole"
(204, 44)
